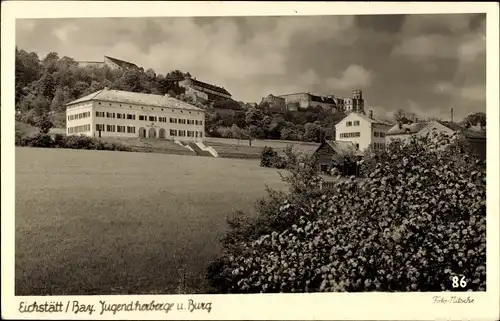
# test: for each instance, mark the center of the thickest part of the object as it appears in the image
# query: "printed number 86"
(456, 284)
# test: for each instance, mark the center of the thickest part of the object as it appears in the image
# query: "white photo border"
(345, 306)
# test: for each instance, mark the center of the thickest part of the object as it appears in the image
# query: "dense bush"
(270, 158)
(416, 221)
(71, 142)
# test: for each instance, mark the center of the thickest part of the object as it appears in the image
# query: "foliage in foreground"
(73, 142)
(417, 220)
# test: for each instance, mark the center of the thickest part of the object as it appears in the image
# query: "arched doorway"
(161, 134)
(152, 133)
(142, 132)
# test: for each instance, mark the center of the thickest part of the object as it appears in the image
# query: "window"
(182, 121)
(131, 129)
(382, 134)
(162, 119)
(110, 128)
(173, 132)
(357, 146)
(173, 120)
(141, 117)
(190, 133)
(120, 129)
(375, 134)
(99, 127)
(152, 118)
(182, 133)
(356, 123)
(109, 115)
(349, 123)
(201, 134)
(129, 116)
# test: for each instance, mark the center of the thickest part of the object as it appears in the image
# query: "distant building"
(297, 101)
(203, 91)
(475, 135)
(362, 130)
(275, 102)
(308, 100)
(112, 63)
(114, 113)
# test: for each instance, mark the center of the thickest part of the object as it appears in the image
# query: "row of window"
(131, 130)
(185, 121)
(350, 135)
(152, 108)
(79, 129)
(115, 128)
(378, 134)
(149, 118)
(354, 123)
(378, 145)
(185, 133)
(79, 116)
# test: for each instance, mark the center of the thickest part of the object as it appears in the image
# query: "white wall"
(74, 111)
(138, 110)
(365, 129)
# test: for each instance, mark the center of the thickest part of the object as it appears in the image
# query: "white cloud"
(354, 76)
(63, 33)
(426, 46)
(469, 92)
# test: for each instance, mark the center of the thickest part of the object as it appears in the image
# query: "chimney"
(371, 114)
(452, 115)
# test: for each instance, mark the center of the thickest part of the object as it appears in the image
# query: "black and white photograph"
(250, 154)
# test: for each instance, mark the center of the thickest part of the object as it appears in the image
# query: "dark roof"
(122, 63)
(119, 96)
(342, 148)
(407, 128)
(472, 132)
(323, 99)
(202, 84)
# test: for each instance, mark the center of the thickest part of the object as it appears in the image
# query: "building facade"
(275, 102)
(197, 89)
(307, 100)
(362, 130)
(114, 113)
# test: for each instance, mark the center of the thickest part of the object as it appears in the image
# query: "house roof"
(472, 132)
(202, 84)
(407, 128)
(129, 97)
(323, 99)
(122, 63)
(342, 148)
(371, 120)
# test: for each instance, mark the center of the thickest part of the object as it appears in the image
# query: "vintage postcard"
(250, 160)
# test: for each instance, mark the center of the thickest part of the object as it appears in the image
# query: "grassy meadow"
(99, 222)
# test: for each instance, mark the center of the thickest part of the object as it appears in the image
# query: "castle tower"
(358, 103)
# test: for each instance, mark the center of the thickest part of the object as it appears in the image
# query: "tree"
(236, 131)
(474, 119)
(402, 117)
(313, 132)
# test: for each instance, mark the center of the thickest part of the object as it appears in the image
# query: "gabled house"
(475, 135)
(330, 153)
(362, 130)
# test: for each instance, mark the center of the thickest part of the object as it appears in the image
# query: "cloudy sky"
(421, 63)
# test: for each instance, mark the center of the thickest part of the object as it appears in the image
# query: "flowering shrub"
(417, 220)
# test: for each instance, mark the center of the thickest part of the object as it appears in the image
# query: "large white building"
(362, 131)
(114, 113)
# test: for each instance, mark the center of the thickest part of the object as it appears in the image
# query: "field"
(98, 222)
